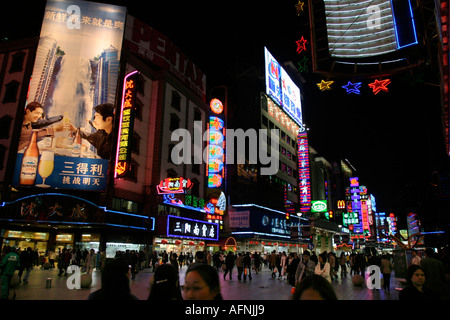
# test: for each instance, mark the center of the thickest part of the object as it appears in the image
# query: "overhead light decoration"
(299, 7)
(303, 65)
(301, 45)
(325, 85)
(380, 85)
(353, 87)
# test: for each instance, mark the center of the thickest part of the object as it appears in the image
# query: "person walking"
(386, 269)
(332, 262)
(434, 274)
(229, 264)
(415, 289)
(293, 263)
(247, 262)
(165, 283)
(343, 265)
(115, 281)
(240, 265)
(8, 266)
(283, 265)
(273, 263)
(90, 262)
(415, 258)
(305, 268)
(257, 262)
(26, 263)
(323, 267)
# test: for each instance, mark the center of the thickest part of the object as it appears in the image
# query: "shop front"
(52, 222)
(184, 235)
(261, 229)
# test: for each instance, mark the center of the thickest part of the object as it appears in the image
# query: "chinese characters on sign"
(77, 19)
(188, 228)
(126, 126)
(304, 173)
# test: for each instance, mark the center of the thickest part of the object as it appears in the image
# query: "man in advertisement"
(33, 119)
(103, 123)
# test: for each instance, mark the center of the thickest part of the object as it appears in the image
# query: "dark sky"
(393, 139)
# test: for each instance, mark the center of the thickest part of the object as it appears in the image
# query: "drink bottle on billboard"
(30, 162)
(76, 149)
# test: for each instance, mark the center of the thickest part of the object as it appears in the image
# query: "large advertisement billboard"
(67, 128)
(281, 88)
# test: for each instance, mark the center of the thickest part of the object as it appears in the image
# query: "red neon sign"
(123, 154)
(174, 185)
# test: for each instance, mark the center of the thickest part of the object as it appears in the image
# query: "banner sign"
(67, 128)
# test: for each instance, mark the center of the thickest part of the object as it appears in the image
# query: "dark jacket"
(411, 293)
(101, 141)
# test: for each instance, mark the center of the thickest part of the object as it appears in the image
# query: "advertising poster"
(67, 128)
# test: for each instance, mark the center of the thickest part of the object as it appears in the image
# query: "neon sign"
(325, 85)
(353, 87)
(381, 85)
(123, 155)
(174, 185)
(301, 45)
(216, 106)
(216, 149)
(304, 172)
(194, 229)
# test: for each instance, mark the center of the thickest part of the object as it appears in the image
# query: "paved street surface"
(262, 287)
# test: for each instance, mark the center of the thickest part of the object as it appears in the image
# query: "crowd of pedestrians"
(309, 275)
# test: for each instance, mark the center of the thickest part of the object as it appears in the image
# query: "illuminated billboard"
(281, 88)
(67, 128)
(366, 28)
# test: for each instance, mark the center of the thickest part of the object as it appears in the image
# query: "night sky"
(393, 139)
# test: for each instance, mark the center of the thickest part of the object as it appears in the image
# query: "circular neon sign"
(216, 106)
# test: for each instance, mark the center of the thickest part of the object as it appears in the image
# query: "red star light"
(301, 44)
(380, 85)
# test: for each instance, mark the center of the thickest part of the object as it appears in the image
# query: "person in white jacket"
(323, 267)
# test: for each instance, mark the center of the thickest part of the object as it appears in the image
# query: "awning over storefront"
(223, 242)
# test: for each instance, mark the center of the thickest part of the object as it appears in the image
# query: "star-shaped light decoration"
(325, 85)
(301, 44)
(381, 85)
(303, 65)
(299, 7)
(353, 87)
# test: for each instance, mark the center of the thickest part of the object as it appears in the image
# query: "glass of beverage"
(45, 168)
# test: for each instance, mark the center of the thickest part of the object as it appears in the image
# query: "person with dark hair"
(165, 284)
(103, 123)
(386, 270)
(314, 287)
(434, 273)
(199, 260)
(229, 264)
(115, 282)
(202, 283)
(415, 289)
(33, 113)
(305, 267)
(323, 267)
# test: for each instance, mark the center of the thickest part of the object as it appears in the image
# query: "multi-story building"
(158, 204)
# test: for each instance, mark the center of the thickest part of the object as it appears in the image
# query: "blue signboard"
(71, 173)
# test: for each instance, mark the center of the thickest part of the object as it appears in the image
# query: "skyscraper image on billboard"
(67, 128)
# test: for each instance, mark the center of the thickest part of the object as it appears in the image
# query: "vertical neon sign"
(304, 172)
(123, 154)
(216, 147)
